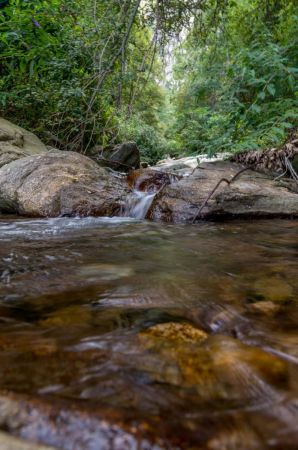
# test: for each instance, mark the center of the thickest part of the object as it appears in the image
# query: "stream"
(187, 334)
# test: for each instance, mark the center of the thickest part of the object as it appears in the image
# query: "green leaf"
(23, 66)
(31, 68)
(271, 89)
(291, 82)
(291, 114)
(279, 131)
(262, 95)
(287, 125)
(256, 108)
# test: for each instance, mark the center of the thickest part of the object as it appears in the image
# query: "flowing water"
(138, 204)
(186, 335)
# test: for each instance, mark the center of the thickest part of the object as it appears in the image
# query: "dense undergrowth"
(81, 73)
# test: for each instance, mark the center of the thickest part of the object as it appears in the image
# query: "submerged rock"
(59, 183)
(104, 272)
(8, 442)
(273, 289)
(267, 308)
(16, 143)
(69, 316)
(218, 368)
(61, 426)
(172, 331)
(251, 195)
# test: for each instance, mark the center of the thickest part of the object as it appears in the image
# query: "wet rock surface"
(16, 143)
(59, 183)
(171, 331)
(8, 442)
(148, 180)
(60, 426)
(186, 165)
(251, 195)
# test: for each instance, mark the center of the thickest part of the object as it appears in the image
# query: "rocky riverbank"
(39, 182)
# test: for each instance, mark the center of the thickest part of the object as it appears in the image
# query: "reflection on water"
(189, 329)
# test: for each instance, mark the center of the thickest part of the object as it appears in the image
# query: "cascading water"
(145, 184)
(138, 204)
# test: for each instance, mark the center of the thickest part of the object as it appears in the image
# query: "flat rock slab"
(59, 183)
(251, 195)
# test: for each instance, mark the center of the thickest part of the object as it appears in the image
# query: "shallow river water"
(184, 336)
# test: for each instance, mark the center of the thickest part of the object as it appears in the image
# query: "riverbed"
(184, 335)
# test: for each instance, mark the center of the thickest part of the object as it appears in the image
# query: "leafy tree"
(71, 67)
(237, 90)
(90, 72)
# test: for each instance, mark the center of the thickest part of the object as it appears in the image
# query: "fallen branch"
(222, 180)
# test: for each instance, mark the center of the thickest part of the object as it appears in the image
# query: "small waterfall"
(138, 204)
(145, 184)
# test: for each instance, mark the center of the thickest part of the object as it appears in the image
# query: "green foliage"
(89, 72)
(44, 62)
(71, 67)
(239, 91)
(150, 141)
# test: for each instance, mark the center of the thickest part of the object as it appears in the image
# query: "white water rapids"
(138, 204)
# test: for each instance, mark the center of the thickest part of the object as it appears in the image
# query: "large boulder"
(16, 143)
(122, 157)
(59, 183)
(251, 195)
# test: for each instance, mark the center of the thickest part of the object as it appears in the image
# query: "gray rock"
(185, 165)
(122, 157)
(16, 143)
(60, 425)
(59, 183)
(8, 442)
(251, 195)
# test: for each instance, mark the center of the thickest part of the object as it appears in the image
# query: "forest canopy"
(176, 76)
